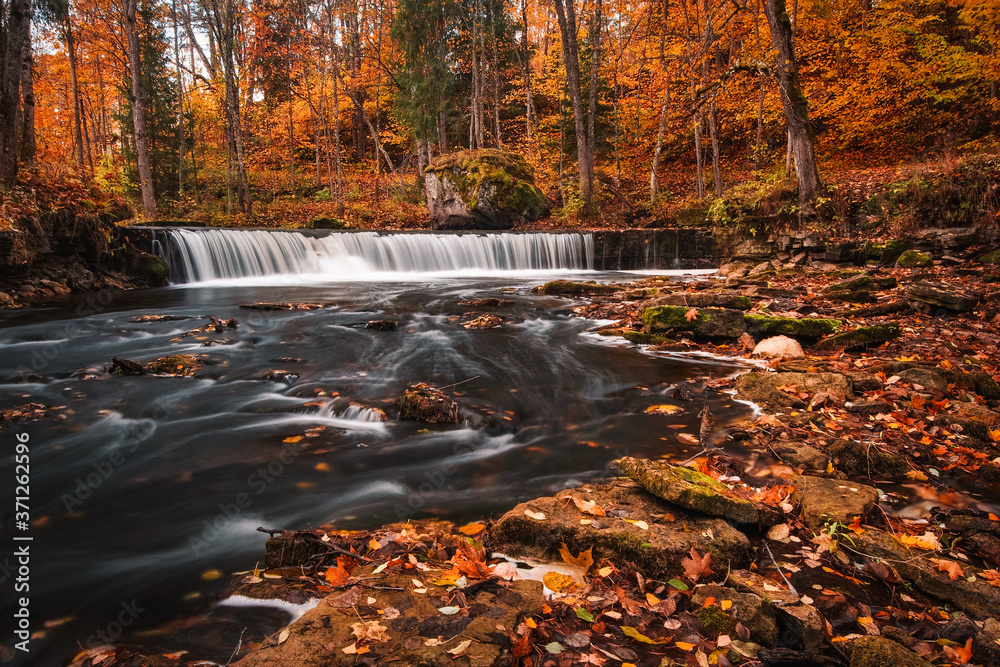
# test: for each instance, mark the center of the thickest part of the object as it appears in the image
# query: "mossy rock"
(914, 259)
(720, 299)
(804, 327)
(570, 288)
(863, 337)
(880, 652)
(992, 257)
(151, 270)
(893, 249)
(752, 610)
(853, 284)
(486, 188)
(867, 460)
(643, 338)
(427, 404)
(689, 488)
(707, 322)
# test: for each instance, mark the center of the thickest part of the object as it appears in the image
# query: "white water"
(215, 254)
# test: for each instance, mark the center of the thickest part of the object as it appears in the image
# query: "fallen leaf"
(605, 571)
(691, 314)
(584, 615)
(449, 611)
(652, 599)
(663, 409)
(370, 631)
(779, 532)
(855, 526)
(584, 559)
(953, 569)
(537, 516)
(588, 507)
(726, 604)
(472, 528)
(928, 541)
(554, 648)
(636, 635)
(684, 646)
(461, 647)
(697, 566)
(559, 583)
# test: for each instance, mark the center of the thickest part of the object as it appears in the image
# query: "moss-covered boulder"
(150, 269)
(720, 299)
(325, 222)
(862, 337)
(801, 327)
(992, 257)
(752, 610)
(879, 652)
(482, 189)
(571, 288)
(914, 259)
(689, 489)
(637, 527)
(707, 322)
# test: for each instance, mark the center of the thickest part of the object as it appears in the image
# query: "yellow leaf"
(663, 409)
(652, 599)
(584, 559)
(292, 439)
(995, 435)
(726, 604)
(530, 622)
(588, 506)
(684, 646)
(211, 575)
(558, 582)
(928, 541)
(324, 466)
(374, 545)
(605, 571)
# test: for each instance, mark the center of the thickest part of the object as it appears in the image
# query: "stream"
(146, 491)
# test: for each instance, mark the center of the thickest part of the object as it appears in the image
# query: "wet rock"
(707, 322)
(426, 404)
(882, 652)
(780, 347)
(410, 630)
(880, 310)
(150, 269)
(959, 630)
(484, 322)
(977, 412)
(986, 546)
(121, 366)
(482, 189)
(749, 609)
(649, 532)
(491, 302)
(862, 337)
(804, 327)
(721, 299)
(826, 500)
(175, 364)
(976, 598)
(286, 377)
(870, 407)
(570, 288)
(800, 454)
(924, 377)
(381, 325)
(914, 259)
(992, 257)
(943, 295)
(159, 318)
(643, 338)
(761, 387)
(286, 305)
(690, 489)
(803, 626)
(862, 382)
(857, 459)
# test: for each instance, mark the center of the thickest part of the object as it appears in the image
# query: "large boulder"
(482, 189)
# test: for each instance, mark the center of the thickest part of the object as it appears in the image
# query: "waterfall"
(209, 254)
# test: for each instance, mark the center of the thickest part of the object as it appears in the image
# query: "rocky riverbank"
(850, 523)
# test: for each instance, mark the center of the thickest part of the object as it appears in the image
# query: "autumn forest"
(265, 111)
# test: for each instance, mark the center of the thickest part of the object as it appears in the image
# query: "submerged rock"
(121, 366)
(484, 322)
(423, 403)
(175, 364)
(490, 302)
(381, 325)
(689, 489)
(482, 189)
(637, 527)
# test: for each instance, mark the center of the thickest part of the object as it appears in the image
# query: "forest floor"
(853, 521)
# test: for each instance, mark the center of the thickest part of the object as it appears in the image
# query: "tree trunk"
(654, 180)
(138, 112)
(74, 85)
(11, 58)
(595, 66)
(524, 56)
(28, 142)
(496, 76)
(566, 15)
(699, 157)
(795, 105)
(180, 102)
(713, 136)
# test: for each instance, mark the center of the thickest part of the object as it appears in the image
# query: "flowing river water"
(144, 488)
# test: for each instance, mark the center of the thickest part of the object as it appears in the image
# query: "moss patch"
(805, 327)
(859, 338)
(643, 338)
(573, 288)
(708, 322)
(505, 179)
(913, 259)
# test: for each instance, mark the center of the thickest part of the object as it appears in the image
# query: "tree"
(139, 106)
(15, 28)
(795, 105)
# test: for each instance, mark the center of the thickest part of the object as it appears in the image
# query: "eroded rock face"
(482, 189)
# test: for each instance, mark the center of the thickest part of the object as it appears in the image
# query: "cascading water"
(196, 256)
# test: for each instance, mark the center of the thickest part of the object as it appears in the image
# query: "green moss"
(992, 257)
(708, 322)
(570, 287)
(507, 179)
(806, 327)
(893, 249)
(859, 338)
(643, 338)
(664, 318)
(913, 259)
(715, 622)
(323, 222)
(152, 269)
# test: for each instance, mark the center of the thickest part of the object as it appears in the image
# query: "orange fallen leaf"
(697, 566)
(588, 506)
(953, 569)
(856, 526)
(691, 315)
(584, 559)
(472, 528)
(684, 646)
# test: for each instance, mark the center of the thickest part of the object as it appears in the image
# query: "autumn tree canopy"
(225, 108)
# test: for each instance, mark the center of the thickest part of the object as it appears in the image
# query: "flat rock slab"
(720, 299)
(638, 527)
(689, 489)
(406, 627)
(707, 322)
(824, 500)
(944, 295)
(771, 388)
(977, 598)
